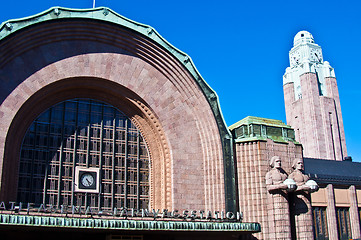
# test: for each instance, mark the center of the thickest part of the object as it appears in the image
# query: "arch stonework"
(51, 61)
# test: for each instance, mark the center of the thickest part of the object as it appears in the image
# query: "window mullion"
(47, 160)
(74, 152)
(88, 146)
(138, 170)
(88, 152)
(61, 156)
(101, 161)
(32, 161)
(126, 165)
(113, 161)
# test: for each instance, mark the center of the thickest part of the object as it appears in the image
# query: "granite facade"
(317, 119)
(134, 74)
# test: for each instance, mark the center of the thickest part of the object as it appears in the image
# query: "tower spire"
(312, 101)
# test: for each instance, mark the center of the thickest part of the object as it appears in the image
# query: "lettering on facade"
(123, 213)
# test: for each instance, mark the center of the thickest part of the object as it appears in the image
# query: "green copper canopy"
(256, 128)
(124, 224)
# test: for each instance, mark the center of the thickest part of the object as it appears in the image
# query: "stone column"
(354, 218)
(331, 213)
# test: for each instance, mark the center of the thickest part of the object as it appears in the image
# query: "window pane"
(87, 133)
(343, 223)
(320, 223)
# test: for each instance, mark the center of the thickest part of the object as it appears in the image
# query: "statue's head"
(298, 164)
(275, 162)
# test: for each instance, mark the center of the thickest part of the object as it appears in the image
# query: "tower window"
(302, 35)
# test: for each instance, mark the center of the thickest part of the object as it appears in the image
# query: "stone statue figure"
(302, 180)
(276, 176)
(300, 202)
(277, 200)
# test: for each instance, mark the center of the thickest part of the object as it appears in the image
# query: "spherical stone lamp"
(291, 185)
(313, 185)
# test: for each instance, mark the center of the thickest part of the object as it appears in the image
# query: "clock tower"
(312, 101)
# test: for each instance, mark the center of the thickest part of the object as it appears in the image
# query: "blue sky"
(241, 47)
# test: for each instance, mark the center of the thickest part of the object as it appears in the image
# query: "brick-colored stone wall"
(54, 61)
(331, 213)
(252, 159)
(301, 210)
(289, 97)
(312, 127)
(317, 120)
(332, 92)
(332, 196)
(354, 213)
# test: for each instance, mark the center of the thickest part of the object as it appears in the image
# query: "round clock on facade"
(87, 180)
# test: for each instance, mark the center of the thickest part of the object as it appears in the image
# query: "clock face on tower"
(315, 55)
(295, 58)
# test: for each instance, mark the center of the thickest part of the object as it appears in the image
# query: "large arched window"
(75, 136)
